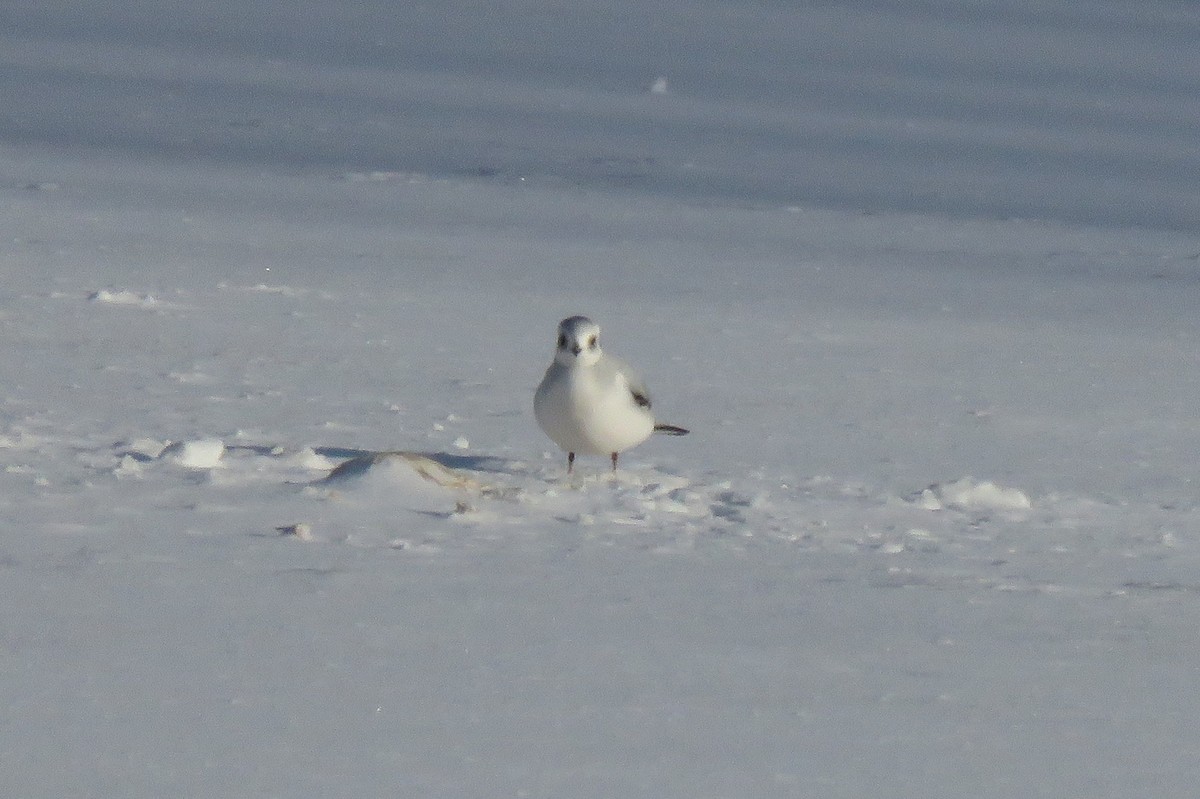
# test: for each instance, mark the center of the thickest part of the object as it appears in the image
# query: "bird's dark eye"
(592, 343)
(562, 341)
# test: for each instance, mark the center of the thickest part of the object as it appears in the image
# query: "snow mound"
(967, 494)
(399, 464)
(202, 453)
(306, 458)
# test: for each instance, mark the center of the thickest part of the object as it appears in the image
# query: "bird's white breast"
(590, 410)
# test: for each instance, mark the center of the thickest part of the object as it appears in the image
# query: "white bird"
(590, 402)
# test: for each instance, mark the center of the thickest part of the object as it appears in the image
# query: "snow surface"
(279, 280)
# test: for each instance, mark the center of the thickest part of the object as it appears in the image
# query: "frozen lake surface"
(921, 278)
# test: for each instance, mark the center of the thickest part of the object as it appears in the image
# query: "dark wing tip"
(671, 430)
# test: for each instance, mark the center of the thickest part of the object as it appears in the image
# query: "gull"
(590, 402)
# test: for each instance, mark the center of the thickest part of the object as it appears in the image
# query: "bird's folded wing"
(637, 387)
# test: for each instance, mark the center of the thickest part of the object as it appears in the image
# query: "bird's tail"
(670, 430)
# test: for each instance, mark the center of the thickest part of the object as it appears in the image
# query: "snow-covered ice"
(921, 277)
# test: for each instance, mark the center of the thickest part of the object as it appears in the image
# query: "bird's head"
(578, 342)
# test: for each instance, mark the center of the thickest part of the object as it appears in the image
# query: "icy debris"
(462, 443)
(967, 494)
(283, 291)
(659, 86)
(915, 540)
(672, 495)
(204, 453)
(194, 378)
(301, 531)
(918, 534)
(384, 176)
(39, 479)
(129, 466)
(127, 298)
(418, 547)
(17, 439)
(144, 449)
(928, 499)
